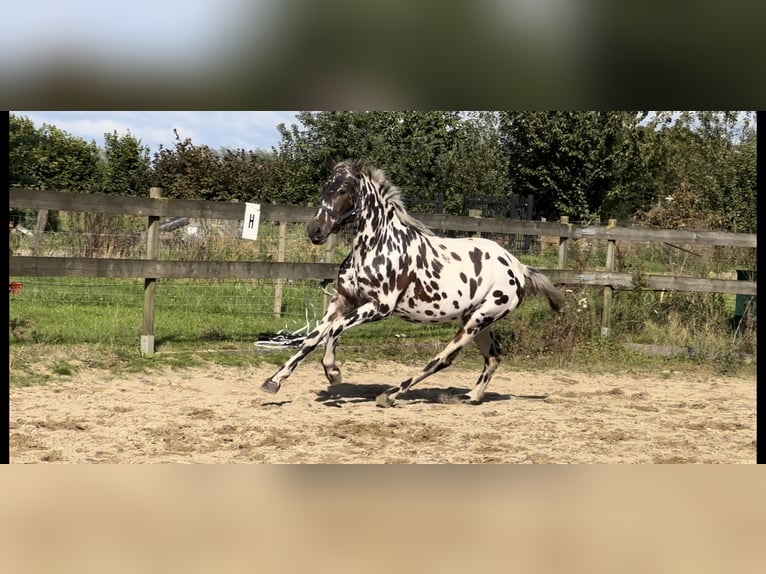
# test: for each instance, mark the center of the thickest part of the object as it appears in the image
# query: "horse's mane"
(392, 195)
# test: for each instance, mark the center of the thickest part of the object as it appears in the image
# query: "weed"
(63, 368)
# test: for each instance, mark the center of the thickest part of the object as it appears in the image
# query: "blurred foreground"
(353, 519)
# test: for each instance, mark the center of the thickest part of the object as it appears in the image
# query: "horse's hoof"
(334, 378)
(468, 399)
(384, 400)
(270, 386)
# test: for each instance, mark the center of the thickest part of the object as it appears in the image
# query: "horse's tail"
(539, 284)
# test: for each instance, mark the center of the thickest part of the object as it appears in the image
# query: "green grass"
(60, 326)
(102, 311)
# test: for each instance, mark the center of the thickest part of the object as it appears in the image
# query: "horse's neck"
(387, 221)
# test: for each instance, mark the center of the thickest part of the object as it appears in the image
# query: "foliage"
(50, 158)
(668, 169)
(249, 175)
(126, 167)
(189, 171)
(23, 143)
(579, 164)
(436, 156)
(704, 168)
(475, 166)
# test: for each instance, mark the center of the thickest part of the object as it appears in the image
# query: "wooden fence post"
(563, 244)
(42, 221)
(281, 252)
(329, 257)
(606, 313)
(475, 213)
(150, 283)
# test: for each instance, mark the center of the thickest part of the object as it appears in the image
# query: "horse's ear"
(331, 163)
(357, 166)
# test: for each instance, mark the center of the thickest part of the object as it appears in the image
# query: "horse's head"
(340, 201)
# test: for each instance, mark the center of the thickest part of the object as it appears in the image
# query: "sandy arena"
(217, 414)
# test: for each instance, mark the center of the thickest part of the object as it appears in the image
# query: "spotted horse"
(397, 266)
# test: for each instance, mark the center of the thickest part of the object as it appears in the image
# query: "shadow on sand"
(338, 395)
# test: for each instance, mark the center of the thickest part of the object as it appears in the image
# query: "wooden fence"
(155, 207)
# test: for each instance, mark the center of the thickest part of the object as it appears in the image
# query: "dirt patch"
(218, 415)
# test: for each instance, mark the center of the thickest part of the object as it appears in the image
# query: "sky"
(246, 130)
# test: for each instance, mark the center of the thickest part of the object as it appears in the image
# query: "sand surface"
(217, 414)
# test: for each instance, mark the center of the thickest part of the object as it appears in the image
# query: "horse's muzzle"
(317, 233)
(318, 240)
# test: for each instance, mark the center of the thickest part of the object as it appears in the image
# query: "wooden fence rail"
(152, 269)
(142, 206)
(22, 266)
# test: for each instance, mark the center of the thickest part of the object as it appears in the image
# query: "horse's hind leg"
(439, 362)
(490, 348)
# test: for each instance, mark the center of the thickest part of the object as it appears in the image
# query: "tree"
(475, 166)
(301, 163)
(437, 156)
(126, 167)
(189, 172)
(579, 164)
(23, 143)
(741, 209)
(248, 175)
(703, 167)
(50, 158)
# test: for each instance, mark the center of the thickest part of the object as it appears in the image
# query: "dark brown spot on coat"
(500, 297)
(420, 292)
(472, 288)
(475, 256)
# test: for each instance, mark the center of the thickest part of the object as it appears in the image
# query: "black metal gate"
(520, 207)
(514, 207)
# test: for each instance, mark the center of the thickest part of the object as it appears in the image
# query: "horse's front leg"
(366, 313)
(331, 368)
(334, 312)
